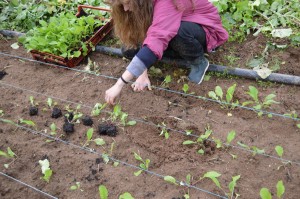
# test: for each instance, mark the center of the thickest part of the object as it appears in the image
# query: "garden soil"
(72, 163)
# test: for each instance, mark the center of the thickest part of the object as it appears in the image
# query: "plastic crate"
(94, 39)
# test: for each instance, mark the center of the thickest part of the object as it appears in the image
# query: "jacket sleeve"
(165, 25)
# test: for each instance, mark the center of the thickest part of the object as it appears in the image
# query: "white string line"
(27, 185)
(152, 124)
(159, 88)
(110, 157)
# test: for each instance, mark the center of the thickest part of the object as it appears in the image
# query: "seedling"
(164, 131)
(33, 110)
(73, 116)
(10, 155)
(27, 122)
(89, 135)
(76, 187)
(98, 108)
(257, 104)
(45, 166)
(53, 129)
(166, 81)
(186, 88)
(144, 164)
(106, 155)
(118, 114)
(92, 67)
(56, 112)
(254, 149)
(1, 113)
(230, 137)
(265, 193)
(103, 192)
(170, 179)
(213, 175)
(126, 195)
(187, 182)
(218, 95)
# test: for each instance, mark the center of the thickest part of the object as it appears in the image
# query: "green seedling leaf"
(233, 156)
(137, 157)
(99, 141)
(243, 145)
(47, 175)
(15, 46)
(126, 195)
(103, 192)
(137, 173)
(280, 189)
(188, 179)
(230, 137)
(188, 132)
(73, 187)
(89, 133)
(219, 92)
(2, 153)
(10, 152)
(116, 164)
(230, 92)
(50, 102)
(298, 125)
(187, 142)
(279, 151)
(213, 95)
(200, 151)
(27, 122)
(257, 150)
(265, 194)
(170, 179)
(185, 88)
(31, 99)
(131, 123)
(232, 184)
(218, 143)
(6, 166)
(7, 121)
(105, 158)
(253, 92)
(53, 127)
(213, 175)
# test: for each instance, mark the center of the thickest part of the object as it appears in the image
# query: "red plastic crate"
(95, 39)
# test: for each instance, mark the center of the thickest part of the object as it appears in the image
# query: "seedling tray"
(94, 39)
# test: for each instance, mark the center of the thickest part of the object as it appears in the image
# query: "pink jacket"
(166, 22)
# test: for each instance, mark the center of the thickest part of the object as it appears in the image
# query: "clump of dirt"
(107, 129)
(33, 110)
(69, 117)
(68, 128)
(87, 121)
(210, 147)
(2, 74)
(56, 113)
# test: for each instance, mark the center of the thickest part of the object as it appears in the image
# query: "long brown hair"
(131, 26)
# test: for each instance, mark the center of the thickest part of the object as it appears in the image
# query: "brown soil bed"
(169, 157)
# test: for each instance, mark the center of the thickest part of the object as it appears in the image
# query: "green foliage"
(118, 114)
(126, 195)
(62, 36)
(255, 150)
(76, 187)
(218, 94)
(27, 122)
(230, 137)
(45, 166)
(164, 131)
(23, 15)
(267, 16)
(10, 155)
(76, 114)
(103, 192)
(98, 108)
(170, 179)
(279, 151)
(266, 194)
(232, 185)
(213, 175)
(89, 135)
(144, 164)
(257, 103)
(1, 113)
(166, 81)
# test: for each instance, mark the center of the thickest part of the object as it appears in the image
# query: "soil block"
(33, 110)
(68, 128)
(2, 74)
(87, 121)
(69, 118)
(56, 113)
(107, 129)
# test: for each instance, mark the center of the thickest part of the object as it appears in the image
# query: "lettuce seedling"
(144, 164)
(265, 193)
(45, 166)
(171, 180)
(103, 192)
(76, 187)
(1, 113)
(126, 195)
(166, 81)
(10, 155)
(164, 131)
(89, 135)
(258, 104)
(217, 94)
(118, 114)
(98, 108)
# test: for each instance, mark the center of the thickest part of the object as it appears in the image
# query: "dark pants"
(189, 44)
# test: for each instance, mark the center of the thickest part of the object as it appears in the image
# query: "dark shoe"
(198, 71)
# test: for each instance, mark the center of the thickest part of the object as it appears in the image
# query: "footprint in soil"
(2, 74)
(56, 113)
(107, 129)
(33, 110)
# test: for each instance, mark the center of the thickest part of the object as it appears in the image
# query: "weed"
(47, 172)
(10, 155)
(144, 164)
